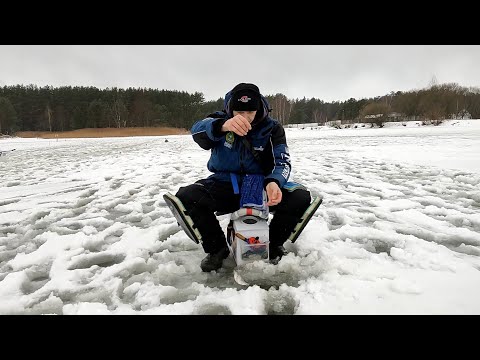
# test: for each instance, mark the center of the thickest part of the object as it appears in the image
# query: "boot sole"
(307, 215)
(185, 221)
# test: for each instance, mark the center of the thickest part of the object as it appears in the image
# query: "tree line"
(33, 108)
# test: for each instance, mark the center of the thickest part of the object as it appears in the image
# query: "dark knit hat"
(245, 97)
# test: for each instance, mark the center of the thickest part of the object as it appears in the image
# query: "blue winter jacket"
(229, 154)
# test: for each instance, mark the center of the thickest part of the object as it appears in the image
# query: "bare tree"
(317, 115)
(119, 113)
(48, 113)
(281, 108)
(433, 82)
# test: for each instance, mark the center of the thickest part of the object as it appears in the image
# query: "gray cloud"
(333, 72)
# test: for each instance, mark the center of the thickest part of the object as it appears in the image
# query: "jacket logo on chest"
(229, 139)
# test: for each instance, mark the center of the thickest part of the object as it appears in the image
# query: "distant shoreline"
(103, 132)
(165, 131)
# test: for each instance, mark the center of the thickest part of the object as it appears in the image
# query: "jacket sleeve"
(282, 168)
(206, 132)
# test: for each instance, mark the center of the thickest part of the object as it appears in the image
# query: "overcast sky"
(327, 72)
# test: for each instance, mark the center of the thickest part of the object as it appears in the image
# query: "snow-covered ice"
(84, 228)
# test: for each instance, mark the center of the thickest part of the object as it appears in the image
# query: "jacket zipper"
(242, 150)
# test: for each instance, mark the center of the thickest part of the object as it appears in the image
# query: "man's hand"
(238, 124)
(274, 194)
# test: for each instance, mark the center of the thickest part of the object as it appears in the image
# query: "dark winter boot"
(214, 261)
(276, 253)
